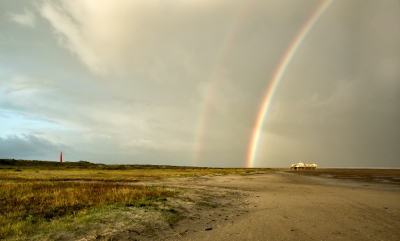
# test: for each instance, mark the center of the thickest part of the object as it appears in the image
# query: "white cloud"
(27, 18)
(20, 83)
(153, 38)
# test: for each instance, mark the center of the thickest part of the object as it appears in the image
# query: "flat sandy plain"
(325, 204)
(281, 204)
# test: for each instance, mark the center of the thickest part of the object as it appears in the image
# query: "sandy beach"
(266, 205)
(284, 206)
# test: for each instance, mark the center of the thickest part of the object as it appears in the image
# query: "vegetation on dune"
(35, 193)
(29, 204)
(21, 170)
(51, 165)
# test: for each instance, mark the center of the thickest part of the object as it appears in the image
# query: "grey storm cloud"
(27, 147)
(182, 82)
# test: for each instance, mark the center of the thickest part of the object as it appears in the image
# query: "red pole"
(60, 156)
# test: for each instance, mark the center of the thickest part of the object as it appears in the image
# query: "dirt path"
(281, 206)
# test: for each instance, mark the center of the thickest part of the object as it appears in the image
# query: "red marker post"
(60, 156)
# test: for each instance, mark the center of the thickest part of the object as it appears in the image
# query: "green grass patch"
(27, 205)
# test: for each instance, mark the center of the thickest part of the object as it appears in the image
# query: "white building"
(301, 165)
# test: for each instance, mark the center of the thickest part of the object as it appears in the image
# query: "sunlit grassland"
(35, 194)
(19, 170)
(27, 205)
(129, 175)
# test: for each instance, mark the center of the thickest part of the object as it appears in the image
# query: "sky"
(183, 82)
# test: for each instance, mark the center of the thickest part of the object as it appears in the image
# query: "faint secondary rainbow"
(211, 89)
(209, 97)
(290, 52)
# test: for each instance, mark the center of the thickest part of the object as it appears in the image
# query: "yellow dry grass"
(32, 195)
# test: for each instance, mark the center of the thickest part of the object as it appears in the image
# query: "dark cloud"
(28, 147)
(182, 82)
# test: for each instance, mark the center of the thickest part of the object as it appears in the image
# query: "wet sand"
(281, 205)
(289, 206)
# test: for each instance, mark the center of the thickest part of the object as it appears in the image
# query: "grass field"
(34, 194)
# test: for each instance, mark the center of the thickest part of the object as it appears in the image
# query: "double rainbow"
(277, 77)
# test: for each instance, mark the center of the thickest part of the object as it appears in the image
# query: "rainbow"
(269, 95)
(212, 86)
